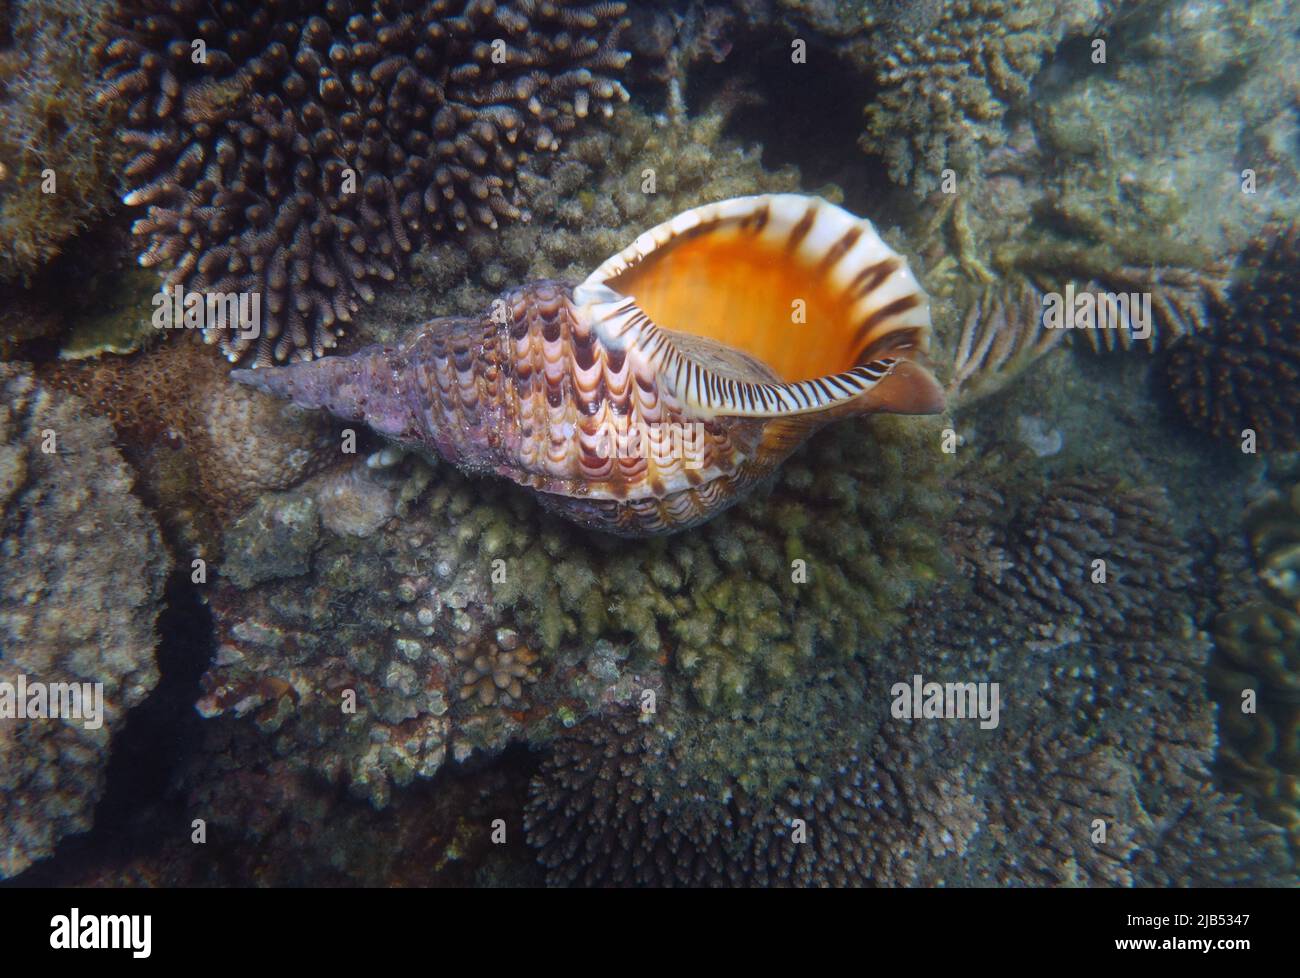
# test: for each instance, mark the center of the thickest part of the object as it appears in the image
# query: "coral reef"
(1273, 529)
(497, 670)
(1256, 670)
(1065, 191)
(1002, 335)
(946, 85)
(1089, 558)
(205, 445)
(68, 613)
(55, 145)
(821, 565)
(589, 203)
(1098, 774)
(301, 150)
(659, 800)
(1244, 370)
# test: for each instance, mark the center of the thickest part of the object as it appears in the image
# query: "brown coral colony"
(301, 150)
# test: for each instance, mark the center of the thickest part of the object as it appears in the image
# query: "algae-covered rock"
(55, 139)
(274, 539)
(82, 568)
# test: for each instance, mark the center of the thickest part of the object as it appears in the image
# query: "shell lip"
(621, 324)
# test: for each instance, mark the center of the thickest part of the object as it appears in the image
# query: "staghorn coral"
(49, 123)
(1244, 371)
(246, 156)
(205, 445)
(68, 613)
(659, 800)
(1050, 575)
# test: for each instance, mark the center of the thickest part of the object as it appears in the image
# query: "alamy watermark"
(76, 931)
(1098, 310)
(175, 308)
(23, 700)
(919, 700)
(662, 441)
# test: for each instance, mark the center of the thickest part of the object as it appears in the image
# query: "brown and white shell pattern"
(681, 371)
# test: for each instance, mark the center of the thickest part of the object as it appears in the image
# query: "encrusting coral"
(68, 613)
(301, 150)
(205, 446)
(56, 146)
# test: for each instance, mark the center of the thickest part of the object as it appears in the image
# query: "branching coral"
(1091, 557)
(69, 614)
(589, 202)
(1052, 793)
(301, 150)
(944, 90)
(1244, 371)
(821, 565)
(659, 800)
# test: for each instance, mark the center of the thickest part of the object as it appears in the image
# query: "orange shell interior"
(741, 290)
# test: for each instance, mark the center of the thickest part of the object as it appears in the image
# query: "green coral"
(848, 534)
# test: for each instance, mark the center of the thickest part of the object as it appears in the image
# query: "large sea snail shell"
(686, 368)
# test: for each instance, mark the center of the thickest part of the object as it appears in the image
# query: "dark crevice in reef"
(137, 810)
(808, 115)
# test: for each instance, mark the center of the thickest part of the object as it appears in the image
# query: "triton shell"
(681, 372)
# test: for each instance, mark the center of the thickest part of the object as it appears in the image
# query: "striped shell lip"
(710, 299)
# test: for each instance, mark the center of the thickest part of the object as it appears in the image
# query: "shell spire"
(681, 372)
